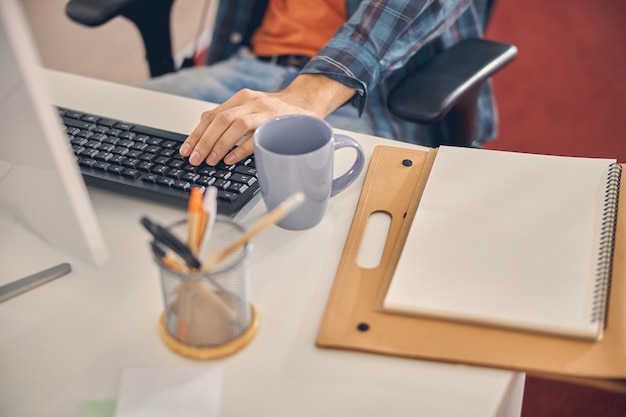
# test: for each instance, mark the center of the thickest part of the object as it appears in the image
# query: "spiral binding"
(607, 243)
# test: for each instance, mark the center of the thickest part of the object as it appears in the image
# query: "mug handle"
(340, 183)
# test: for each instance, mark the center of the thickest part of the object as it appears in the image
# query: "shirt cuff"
(324, 64)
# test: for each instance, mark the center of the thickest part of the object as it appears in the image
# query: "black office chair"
(443, 92)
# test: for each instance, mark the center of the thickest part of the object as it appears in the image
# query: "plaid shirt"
(381, 41)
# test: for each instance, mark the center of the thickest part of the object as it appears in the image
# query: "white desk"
(68, 341)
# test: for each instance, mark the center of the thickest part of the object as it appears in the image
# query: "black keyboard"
(142, 161)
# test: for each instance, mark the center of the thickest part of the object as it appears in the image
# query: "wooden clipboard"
(354, 319)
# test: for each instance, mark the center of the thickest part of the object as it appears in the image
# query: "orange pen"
(195, 220)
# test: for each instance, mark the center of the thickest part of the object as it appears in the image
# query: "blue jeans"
(218, 82)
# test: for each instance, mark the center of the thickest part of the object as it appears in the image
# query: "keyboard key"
(246, 170)
(153, 149)
(153, 141)
(123, 126)
(170, 144)
(124, 142)
(72, 131)
(115, 169)
(189, 176)
(223, 174)
(205, 181)
(131, 162)
(89, 118)
(90, 152)
(100, 165)
(244, 179)
(237, 187)
(72, 114)
(177, 163)
(131, 173)
(78, 123)
(227, 196)
(139, 146)
(221, 184)
(107, 147)
(86, 162)
(167, 182)
(170, 153)
(149, 157)
(104, 156)
(181, 185)
(106, 122)
(174, 173)
(120, 150)
(112, 140)
(133, 153)
(207, 170)
(145, 166)
(117, 159)
(84, 133)
(159, 169)
(151, 178)
(78, 141)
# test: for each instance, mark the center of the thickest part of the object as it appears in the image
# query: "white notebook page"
(507, 239)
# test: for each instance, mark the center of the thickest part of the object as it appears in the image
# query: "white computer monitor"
(40, 183)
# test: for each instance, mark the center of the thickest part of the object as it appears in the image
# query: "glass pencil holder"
(207, 313)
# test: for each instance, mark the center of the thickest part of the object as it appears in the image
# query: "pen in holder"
(207, 313)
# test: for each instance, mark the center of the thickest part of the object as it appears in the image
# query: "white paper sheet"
(190, 391)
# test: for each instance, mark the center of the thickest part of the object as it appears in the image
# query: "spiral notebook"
(511, 240)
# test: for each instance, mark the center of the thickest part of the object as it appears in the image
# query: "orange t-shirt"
(298, 27)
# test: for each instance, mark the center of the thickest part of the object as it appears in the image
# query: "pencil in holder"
(207, 314)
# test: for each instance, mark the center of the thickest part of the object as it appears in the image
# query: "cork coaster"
(213, 352)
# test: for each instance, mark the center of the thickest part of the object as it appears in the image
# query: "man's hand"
(221, 128)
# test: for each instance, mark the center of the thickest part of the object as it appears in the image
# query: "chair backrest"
(488, 12)
(151, 17)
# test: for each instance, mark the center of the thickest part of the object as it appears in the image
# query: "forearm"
(317, 93)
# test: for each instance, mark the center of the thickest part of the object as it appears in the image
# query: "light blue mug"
(295, 153)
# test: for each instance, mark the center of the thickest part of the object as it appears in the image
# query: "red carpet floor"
(566, 91)
(565, 94)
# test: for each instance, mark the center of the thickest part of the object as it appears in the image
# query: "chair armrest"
(429, 92)
(95, 12)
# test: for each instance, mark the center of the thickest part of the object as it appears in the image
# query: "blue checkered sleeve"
(380, 37)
